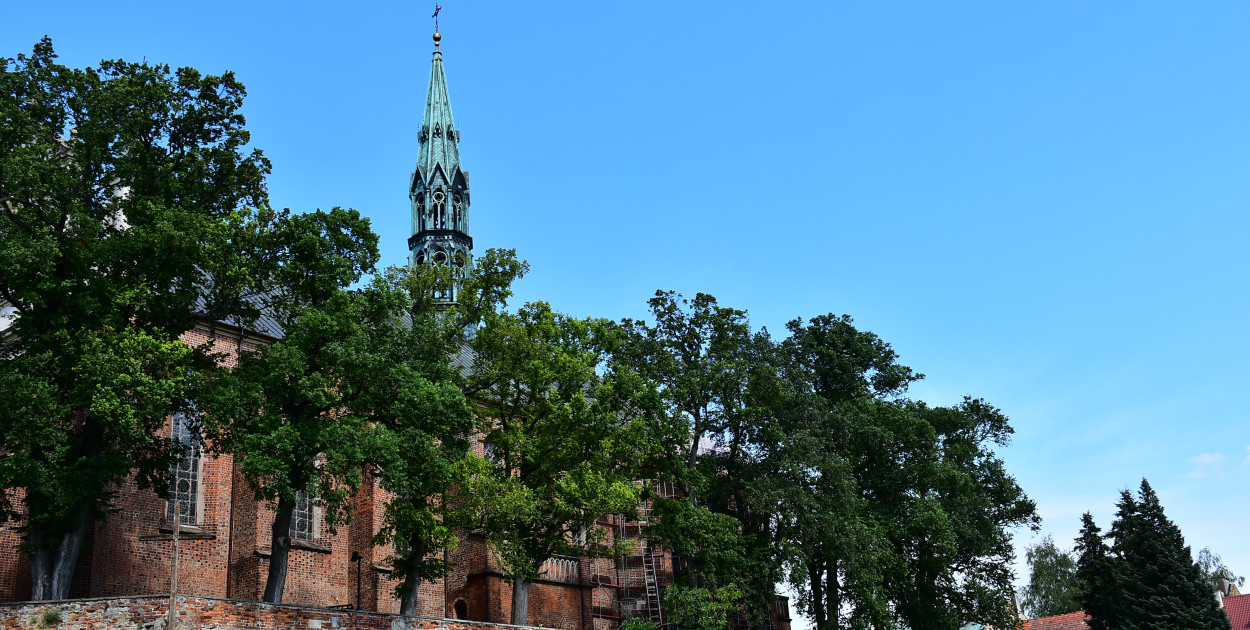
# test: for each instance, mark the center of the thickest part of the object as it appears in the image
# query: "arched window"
(303, 519)
(184, 473)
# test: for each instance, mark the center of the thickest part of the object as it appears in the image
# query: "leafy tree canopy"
(128, 209)
(1052, 588)
(298, 414)
(565, 429)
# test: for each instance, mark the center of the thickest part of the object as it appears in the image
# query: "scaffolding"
(630, 585)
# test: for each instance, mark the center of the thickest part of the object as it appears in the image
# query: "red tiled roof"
(1237, 608)
(1070, 621)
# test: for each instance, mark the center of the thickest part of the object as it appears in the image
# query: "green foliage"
(49, 618)
(563, 434)
(299, 414)
(124, 207)
(717, 386)
(638, 623)
(883, 510)
(891, 510)
(1213, 567)
(701, 608)
(1147, 579)
(1053, 587)
(420, 442)
(1096, 575)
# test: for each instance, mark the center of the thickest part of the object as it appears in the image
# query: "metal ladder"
(655, 610)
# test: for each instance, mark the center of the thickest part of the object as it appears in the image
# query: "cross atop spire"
(437, 37)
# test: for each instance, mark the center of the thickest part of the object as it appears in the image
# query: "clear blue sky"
(1045, 206)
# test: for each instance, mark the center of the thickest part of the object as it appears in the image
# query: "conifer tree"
(1095, 575)
(1147, 579)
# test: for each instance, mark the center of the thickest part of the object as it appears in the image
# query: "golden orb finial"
(437, 38)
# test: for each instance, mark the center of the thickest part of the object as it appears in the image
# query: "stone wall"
(208, 613)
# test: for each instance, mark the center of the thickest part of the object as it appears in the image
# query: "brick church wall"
(14, 564)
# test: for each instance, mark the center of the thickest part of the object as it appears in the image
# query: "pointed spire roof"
(439, 136)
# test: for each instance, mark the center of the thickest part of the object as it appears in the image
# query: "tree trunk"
(833, 592)
(40, 568)
(412, 578)
(52, 568)
(520, 601)
(67, 553)
(279, 551)
(818, 594)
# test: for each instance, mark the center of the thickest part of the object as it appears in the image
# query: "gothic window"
(440, 257)
(184, 491)
(303, 525)
(420, 258)
(440, 209)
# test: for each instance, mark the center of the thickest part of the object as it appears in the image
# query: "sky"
(1041, 205)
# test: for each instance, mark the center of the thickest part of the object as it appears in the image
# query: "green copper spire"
(439, 189)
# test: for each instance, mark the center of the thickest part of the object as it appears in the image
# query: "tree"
(836, 549)
(298, 415)
(1161, 586)
(950, 517)
(565, 430)
(1097, 576)
(1216, 572)
(703, 358)
(894, 510)
(700, 608)
(425, 420)
(1156, 583)
(1052, 588)
(124, 215)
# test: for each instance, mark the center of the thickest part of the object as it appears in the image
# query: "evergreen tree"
(1162, 587)
(1147, 580)
(1095, 576)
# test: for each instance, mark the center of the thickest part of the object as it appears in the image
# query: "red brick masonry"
(210, 613)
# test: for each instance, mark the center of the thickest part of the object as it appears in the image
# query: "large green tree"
(892, 510)
(298, 414)
(424, 420)
(1052, 588)
(1156, 583)
(124, 196)
(837, 443)
(565, 429)
(1098, 588)
(720, 395)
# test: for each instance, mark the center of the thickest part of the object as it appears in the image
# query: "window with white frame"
(303, 518)
(184, 491)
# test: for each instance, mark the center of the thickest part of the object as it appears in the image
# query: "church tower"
(439, 189)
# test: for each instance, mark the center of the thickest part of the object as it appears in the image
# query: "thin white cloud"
(1207, 465)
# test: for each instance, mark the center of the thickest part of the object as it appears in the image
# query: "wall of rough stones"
(206, 613)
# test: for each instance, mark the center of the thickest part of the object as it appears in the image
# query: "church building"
(225, 531)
